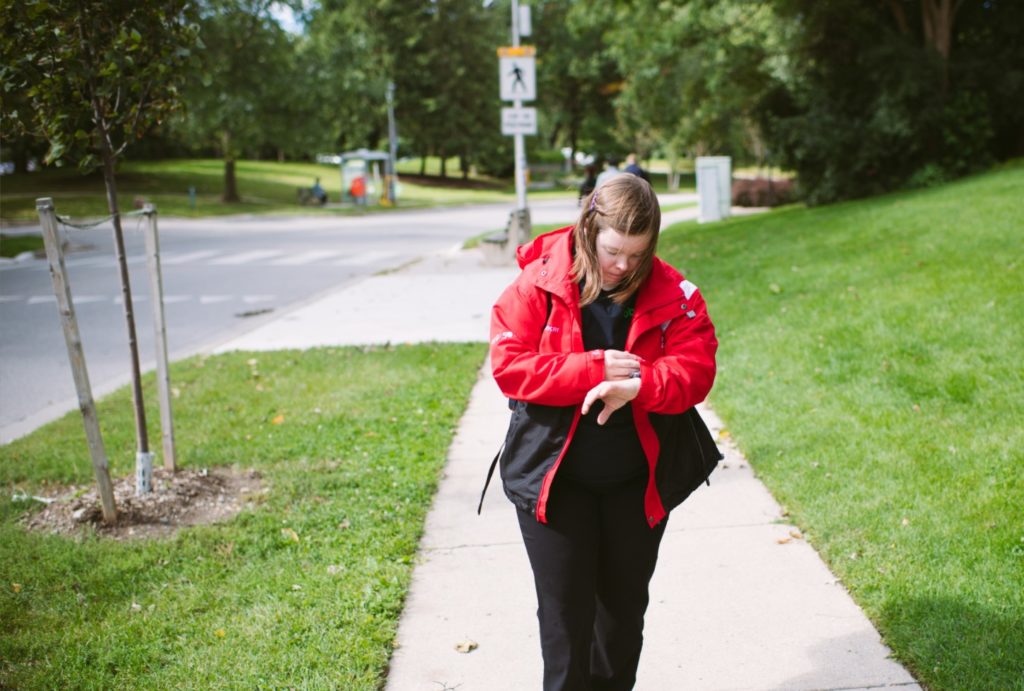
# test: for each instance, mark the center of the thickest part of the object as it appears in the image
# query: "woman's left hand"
(615, 394)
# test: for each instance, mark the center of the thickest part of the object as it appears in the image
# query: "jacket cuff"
(595, 367)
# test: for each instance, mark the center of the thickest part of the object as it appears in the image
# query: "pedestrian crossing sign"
(517, 73)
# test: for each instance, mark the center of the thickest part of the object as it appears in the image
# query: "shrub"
(761, 192)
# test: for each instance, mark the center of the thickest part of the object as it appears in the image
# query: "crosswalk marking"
(173, 258)
(305, 257)
(278, 257)
(365, 258)
(246, 257)
(141, 297)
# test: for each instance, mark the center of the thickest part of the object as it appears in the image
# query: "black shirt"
(608, 454)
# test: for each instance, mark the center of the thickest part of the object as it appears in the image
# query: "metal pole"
(392, 144)
(73, 340)
(520, 144)
(163, 375)
(520, 228)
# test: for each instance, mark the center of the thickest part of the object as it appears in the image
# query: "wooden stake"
(61, 288)
(163, 375)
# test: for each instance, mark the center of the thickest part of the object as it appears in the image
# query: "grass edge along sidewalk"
(304, 588)
(870, 370)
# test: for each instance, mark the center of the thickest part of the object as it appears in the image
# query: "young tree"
(95, 75)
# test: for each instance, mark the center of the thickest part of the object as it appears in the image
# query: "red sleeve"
(521, 371)
(682, 377)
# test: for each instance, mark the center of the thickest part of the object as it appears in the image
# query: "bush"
(761, 192)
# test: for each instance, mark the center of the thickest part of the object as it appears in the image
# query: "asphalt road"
(222, 277)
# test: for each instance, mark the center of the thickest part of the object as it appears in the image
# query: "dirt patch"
(187, 497)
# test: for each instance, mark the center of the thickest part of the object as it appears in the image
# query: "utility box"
(714, 187)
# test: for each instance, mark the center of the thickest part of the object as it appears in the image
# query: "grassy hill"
(870, 368)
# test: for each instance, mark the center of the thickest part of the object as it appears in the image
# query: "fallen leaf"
(784, 540)
(335, 569)
(175, 391)
(289, 534)
(16, 587)
(344, 525)
(277, 420)
(775, 288)
(136, 607)
(220, 633)
(796, 534)
(906, 521)
(466, 646)
(296, 586)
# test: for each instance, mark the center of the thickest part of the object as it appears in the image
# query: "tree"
(886, 94)
(96, 74)
(696, 73)
(246, 89)
(578, 74)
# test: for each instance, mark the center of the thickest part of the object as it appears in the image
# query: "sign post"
(518, 78)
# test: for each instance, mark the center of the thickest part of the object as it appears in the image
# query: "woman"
(603, 349)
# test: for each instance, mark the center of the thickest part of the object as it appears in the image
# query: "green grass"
(870, 368)
(265, 187)
(351, 470)
(13, 245)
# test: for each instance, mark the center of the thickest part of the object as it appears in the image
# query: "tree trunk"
(444, 164)
(464, 166)
(141, 434)
(937, 17)
(423, 166)
(230, 183)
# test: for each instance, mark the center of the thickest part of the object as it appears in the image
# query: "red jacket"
(539, 362)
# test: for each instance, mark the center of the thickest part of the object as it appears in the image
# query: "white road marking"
(365, 258)
(172, 258)
(212, 299)
(245, 257)
(305, 257)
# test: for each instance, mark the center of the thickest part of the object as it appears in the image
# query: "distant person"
(318, 192)
(603, 441)
(589, 181)
(610, 171)
(633, 167)
(358, 190)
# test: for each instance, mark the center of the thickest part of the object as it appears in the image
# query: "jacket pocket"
(687, 458)
(535, 438)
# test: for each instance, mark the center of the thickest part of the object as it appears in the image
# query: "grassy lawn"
(13, 245)
(303, 590)
(265, 187)
(871, 371)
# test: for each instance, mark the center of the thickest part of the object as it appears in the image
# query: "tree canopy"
(855, 97)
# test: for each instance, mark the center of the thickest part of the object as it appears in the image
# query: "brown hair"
(625, 203)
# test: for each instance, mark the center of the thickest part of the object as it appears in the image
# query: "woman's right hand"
(619, 364)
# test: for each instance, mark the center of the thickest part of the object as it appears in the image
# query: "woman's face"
(618, 255)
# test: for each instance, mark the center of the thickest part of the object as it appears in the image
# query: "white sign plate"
(518, 78)
(519, 121)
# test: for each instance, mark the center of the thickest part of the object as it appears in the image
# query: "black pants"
(592, 563)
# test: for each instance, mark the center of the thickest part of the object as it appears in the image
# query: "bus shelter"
(364, 177)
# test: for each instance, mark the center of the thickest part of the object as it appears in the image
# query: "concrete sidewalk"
(739, 600)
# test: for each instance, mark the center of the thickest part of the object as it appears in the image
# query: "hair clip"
(593, 201)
